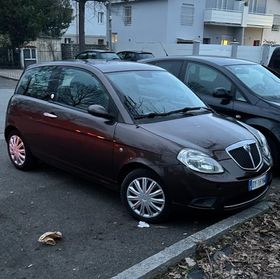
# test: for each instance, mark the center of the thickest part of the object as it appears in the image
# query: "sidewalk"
(13, 74)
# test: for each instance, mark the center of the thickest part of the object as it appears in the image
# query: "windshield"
(109, 56)
(260, 80)
(153, 92)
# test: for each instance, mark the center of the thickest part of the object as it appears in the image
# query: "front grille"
(246, 154)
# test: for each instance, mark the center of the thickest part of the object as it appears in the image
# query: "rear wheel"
(19, 152)
(145, 196)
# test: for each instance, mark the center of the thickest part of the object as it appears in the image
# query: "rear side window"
(35, 83)
(172, 67)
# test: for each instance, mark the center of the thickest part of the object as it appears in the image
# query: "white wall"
(149, 19)
(252, 34)
(251, 53)
(273, 7)
(176, 30)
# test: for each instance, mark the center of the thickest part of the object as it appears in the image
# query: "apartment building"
(250, 22)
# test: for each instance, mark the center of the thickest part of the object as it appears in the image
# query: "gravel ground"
(251, 250)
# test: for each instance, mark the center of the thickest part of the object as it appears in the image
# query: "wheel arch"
(8, 129)
(126, 169)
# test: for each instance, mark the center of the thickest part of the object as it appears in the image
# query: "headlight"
(264, 146)
(199, 161)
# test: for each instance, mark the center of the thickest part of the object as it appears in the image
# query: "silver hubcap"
(17, 150)
(145, 197)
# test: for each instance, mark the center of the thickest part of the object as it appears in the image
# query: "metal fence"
(9, 58)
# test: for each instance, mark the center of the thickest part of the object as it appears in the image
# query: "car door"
(31, 102)
(76, 138)
(211, 85)
(244, 108)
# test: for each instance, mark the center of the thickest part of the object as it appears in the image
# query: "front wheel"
(19, 152)
(145, 196)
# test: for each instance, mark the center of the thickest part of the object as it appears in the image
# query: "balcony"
(259, 20)
(237, 18)
(222, 17)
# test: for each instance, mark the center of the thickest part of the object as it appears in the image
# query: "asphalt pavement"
(99, 240)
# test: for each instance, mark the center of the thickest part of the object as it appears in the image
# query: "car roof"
(135, 51)
(102, 65)
(218, 60)
(97, 50)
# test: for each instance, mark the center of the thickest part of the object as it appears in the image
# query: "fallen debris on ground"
(251, 250)
(49, 237)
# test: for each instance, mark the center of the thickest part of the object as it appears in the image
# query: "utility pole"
(109, 24)
(82, 43)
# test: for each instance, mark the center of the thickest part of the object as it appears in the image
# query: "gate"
(9, 58)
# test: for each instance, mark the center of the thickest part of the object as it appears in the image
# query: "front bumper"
(216, 192)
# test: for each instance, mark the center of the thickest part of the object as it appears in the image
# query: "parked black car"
(130, 55)
(274, 61)
(97, 54)
(244, 90)
(139, 129)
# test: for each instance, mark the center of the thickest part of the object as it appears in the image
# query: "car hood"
(208, 133)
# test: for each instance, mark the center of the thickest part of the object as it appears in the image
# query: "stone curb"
(171, 255)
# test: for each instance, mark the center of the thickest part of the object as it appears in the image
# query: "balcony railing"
(222, 17)
(214, 16)
(260, 20)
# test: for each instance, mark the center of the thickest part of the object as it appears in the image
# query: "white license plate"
(257, 182)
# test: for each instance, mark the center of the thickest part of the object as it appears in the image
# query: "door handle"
(238, 116)
(50, 115)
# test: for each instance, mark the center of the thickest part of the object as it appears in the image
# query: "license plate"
(257, 182)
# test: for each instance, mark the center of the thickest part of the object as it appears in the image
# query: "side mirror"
(221, 92)
(99, 111)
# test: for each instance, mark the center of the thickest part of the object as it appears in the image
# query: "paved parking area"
(100, 238)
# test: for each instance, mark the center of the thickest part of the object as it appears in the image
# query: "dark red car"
(139, 129)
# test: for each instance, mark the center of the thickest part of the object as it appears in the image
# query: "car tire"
(145, 196)
(19, 152)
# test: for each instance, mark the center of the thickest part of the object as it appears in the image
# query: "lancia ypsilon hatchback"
(138, 128)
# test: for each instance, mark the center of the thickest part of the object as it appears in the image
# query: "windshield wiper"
(183, 110)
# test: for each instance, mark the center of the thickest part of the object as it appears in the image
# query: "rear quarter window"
(173, 66)
(35, 82)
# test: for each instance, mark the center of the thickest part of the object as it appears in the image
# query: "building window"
(100, 17)
(187, 13)
(257, 6)
(100, 42)
(127, 15)
(67, 40)
(114, 38)
(275, 28)
(206, 41)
